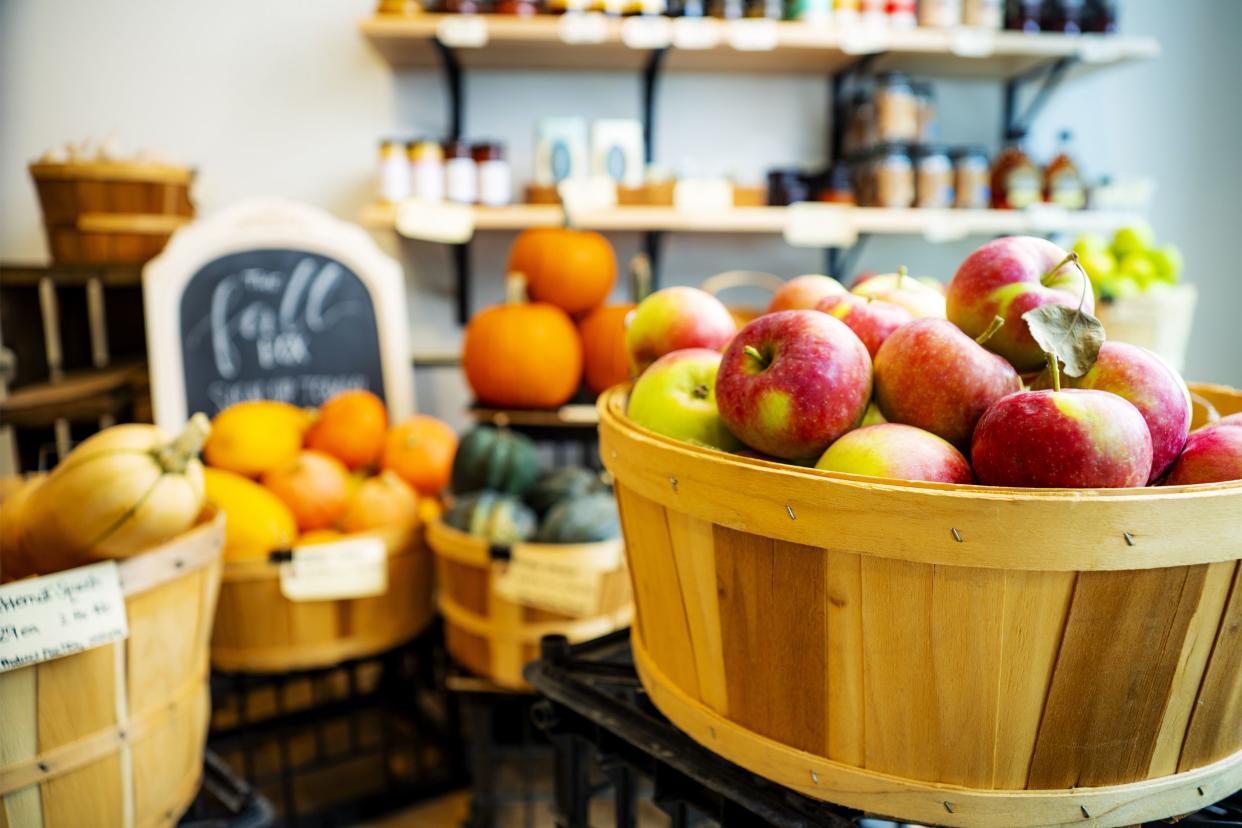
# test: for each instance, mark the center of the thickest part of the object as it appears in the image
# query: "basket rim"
(111, 171)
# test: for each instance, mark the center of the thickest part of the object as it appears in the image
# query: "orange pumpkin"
(520, 354)
(572, 269)
(315, 486)
(603, 346)
(351, 427)
(381, 502)
(420, 450)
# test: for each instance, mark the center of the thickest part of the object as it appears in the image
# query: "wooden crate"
(113, 736)
(495, 637)
(951, 655)
(259, 630)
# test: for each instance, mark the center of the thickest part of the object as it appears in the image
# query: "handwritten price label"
(695, 33)
(972, 42)
(753, 35)
(354, 568)
(58, 615)
(462, 31)
(646, 32)
(438, 221)
(582, 27)
(820, 225)
(550, 581)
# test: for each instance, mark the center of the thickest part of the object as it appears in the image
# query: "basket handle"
(731, 279)
(153, 224)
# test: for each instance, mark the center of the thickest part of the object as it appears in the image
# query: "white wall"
(269, 97)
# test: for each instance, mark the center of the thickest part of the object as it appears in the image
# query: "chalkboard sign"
(272, 300)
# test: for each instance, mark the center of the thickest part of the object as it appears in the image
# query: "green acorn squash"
(562, 484)
(587, 519)
(499, 518)
(496, 459)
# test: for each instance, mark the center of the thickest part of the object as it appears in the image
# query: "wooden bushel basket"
(493, 636)
(259, 630)
(113, 736)
(952, 655)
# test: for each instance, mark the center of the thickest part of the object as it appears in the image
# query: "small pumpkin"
(253, 436)
(587, 519)
(121, 492)
(522, 354)
(562, 484)
(497, 459)
(13, 563)
(606, 359)
(420, 450)
(572, 269)
(315, 486)
(256, 521)
(496, 517)
(351, 426)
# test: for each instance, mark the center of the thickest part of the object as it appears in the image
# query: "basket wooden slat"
(258, 629)
(113, 736)
(833, 634)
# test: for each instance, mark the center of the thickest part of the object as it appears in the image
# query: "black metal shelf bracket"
(651, 77)
(840, 262)
(1015, 125)
(461, 266)
(454, 86)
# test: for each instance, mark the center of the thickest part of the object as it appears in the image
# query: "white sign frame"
(270, 223)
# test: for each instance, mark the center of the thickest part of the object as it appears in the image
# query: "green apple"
(1089, 243)
(676, 397)
(1117, 286)
(1168, 261)
(1133, 239)
(1139, 268)
(1098, 263)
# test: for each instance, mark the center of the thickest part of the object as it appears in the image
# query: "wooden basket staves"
(954, 655)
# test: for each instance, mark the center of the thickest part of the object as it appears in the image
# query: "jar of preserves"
(902, 14)
(786, 187)
(1063, 184)
(893, 176)
(394, 171)
(426, 170)
(1062, 16)
(860, 124)
(521, 8)
(896, 109)
(933, 185)
(1024, 15)
(1016, 182)
(765, 9)
(940, 14)
(925, 98)
(461, 174)
(727, 9)
(835, 186)
(1100, 16)
(972, 187)
(986, 14)
(495, 179)
(467, 6)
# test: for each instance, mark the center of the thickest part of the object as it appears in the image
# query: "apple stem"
(754, 353)
(1072, 257)
(700, 392)
(901, 275)
(1055, 369)
(997, 322)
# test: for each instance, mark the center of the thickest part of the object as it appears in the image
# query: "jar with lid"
(765, 9)
(394, 171)
(896, 108)
(1063, 184)
(925, 98)
(1023, 15)
(495, 179)
(786, 187)
(893, 175)
(972, 186)
(846, 12)
(818, 12)
(1062, 16)
(902, 14)
(521, 8)
(986, 14)
(1100, 16)
(467, 6)
(1016, 182)
(426, 170)
(860, 123)
(835, 186)
(940, 14)
(727, 9)
(933, 177)
(874, 13)
(461, 174)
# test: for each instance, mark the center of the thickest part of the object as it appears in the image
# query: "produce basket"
(1160, 320)
(109, 212)
(952, 655)
(259, 630)
(114, 735)
(494, 636)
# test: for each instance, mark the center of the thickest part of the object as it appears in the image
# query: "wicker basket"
(259, 630)
(951, 655)
(113, 736)
(108, 213)
(493, 636)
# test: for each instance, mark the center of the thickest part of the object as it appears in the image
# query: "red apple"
(674, 319)
(872, 322)
(911, 293)
(791, 382)
(803, 292)
(898, 451)
(931, 375)
(1212, 455)
(1008, 277)
(1073, 439)
(1139, 376)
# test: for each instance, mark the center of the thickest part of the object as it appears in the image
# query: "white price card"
(587, 194)
(435, 221)
(759, 35)
(577, 27)
(647, 31)
(696, 33)
(580, 413)
(553, 581)
(703, 195)
(462, 31)
(1099, 49)
(945, 226)
(1046, 218)
(972, 42)
(58, 615)
(351, 568)
(863, 39)
(809, 224)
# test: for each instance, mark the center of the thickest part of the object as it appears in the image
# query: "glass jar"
(467, 6)
(860, 123)
(902, 14)
(426, 170)
(940, 14)
(727, 9)
(835, 186)
(461, 174)
(986, 14)
(786, 187)
(1023, 15)
(933, 177)
(1063, 184)
(1100, 16)
(394, 171)
(1062, 16)
(893, 176)
(972, 186)
(1016, 182)
(896, 109)
(765, 9)
(495, 179)
(521, 8)
(925, 98)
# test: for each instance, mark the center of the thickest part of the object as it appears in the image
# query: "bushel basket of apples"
(952, 558)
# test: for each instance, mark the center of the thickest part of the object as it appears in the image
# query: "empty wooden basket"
(113, 736)
(493, 636)
(954, 655)
(110, 212)
(259, 630)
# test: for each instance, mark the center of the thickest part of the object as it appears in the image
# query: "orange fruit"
(351, 427)
(421, 451)
(315, 486)
(381, 502)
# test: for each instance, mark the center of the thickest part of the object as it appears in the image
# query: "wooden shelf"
(539, 43)
(935, 225)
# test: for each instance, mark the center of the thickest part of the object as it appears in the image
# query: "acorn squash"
(562, 484)
(587, 519)
(496, 459)
(497, 517)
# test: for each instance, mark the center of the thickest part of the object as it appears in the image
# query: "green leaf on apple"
(1074, 335)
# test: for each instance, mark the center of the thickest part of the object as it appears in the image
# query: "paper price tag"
(646, 32)
(463, 31)
(972, 41)
(1099, 49)
(697, 195)
(944, 226)
(439, 221)
(579, 413)
(820, 225)
(582, 27)
(863, 39)
(1041, 217)
(58, 615)
(353, 568)
(695, 33)
(555, 582)
(587, 194)
(753, 35)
